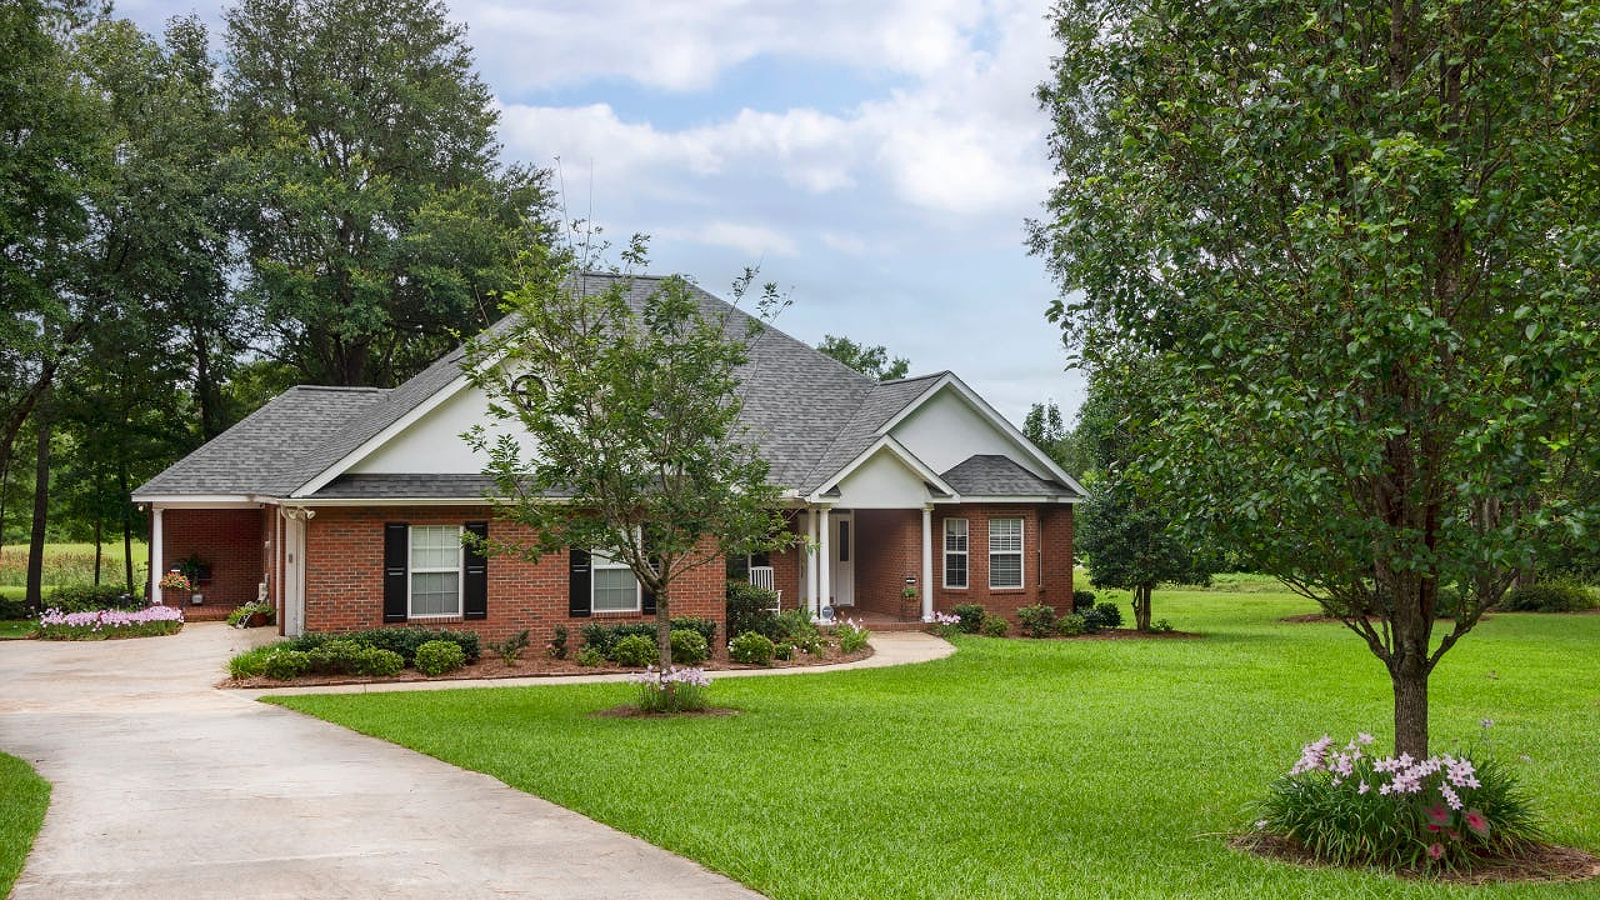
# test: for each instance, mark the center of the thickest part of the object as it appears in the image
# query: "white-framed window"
(613, 588)
(955, 553)
(434, 576)
(1005, 553)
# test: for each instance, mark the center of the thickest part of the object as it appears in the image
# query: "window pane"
(1005, 535)
(955, 570)
(435, 594)
(615, 590)
(1005, 570)
(844, 542)
(435, 547)
(955, 534)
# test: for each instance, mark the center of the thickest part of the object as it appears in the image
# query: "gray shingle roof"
(986, 475)
(807, 413)
(272, 450)
(375, 486)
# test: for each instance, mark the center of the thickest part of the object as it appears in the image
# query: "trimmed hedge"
(971, 616)
(750, 609)
(605, 637)
(404, 641)
(88, 597)
(1549, 597)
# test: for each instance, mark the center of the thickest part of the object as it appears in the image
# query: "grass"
(24, 796)
(1015, 768)
(17, 628)
(70, 563)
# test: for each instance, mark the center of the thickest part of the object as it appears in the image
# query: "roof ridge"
(353, 388)
(939, 374)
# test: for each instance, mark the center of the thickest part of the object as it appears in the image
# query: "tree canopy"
(873, 362)
(1354, 251)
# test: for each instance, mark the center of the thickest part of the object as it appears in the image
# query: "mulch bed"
(628, 711)
(531, 666)
(1543, 863)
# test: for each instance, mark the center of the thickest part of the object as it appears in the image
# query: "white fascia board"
(199, 501)
(886, 442)
(383, 437)
(949, 379)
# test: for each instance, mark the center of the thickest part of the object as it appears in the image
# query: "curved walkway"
(165, 786)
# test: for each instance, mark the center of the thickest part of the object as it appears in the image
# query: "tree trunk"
(5, 490)
(1141, 606)
(663, 629)
(127, 525)
(1411, 710)
(41, 514)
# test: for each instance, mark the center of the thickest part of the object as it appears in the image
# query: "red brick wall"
(786, 566)
(228, 540)
(344, 578)
(1046, 564)
(888, 550)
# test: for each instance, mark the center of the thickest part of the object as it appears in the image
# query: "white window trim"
(1020, 553)
(944, 538)
(638, 589)
(460, 570)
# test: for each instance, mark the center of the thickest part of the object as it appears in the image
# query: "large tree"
(1354, 249)
(378, 218)
(633, 409)
(872, 361)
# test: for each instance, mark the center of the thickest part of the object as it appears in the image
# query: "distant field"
(69, 563)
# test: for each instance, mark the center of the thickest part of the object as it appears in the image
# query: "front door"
(294, 576)
(843, 568)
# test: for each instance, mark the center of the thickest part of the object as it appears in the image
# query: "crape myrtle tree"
(629, 392)
(1354, 249)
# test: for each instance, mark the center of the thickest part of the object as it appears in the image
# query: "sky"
(876, 160)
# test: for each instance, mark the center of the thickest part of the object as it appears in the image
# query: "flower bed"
(109, 624)
(1449, 813)
(249, 669)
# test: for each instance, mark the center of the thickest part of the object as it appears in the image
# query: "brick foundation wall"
(344, 578)
(230, 541)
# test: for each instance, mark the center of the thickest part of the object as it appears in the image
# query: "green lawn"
(23, 799)
(17, 628)
(1018, 768)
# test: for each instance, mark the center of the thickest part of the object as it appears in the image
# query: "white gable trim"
(998, 422)
(383, 437)
(896, 449)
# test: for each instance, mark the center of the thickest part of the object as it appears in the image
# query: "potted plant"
(176, 582)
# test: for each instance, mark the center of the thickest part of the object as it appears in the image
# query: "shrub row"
(1549, 597)
(1041, 620)
(404, 641)
(604, 638)
(88, 597)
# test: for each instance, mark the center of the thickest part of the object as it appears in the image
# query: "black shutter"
(475, 605)
(396, 540)
(578, 602)
(647, 601)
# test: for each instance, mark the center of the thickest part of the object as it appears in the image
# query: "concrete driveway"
(166, 787)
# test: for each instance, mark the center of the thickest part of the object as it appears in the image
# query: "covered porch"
(233, 551)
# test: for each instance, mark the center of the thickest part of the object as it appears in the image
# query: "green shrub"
(1071, 626)
(376, 662)
(1037, 620)
(590, 657)
(251, 663)
(971, 616)
(341, 656)
(796, 625)
(1161, 626)
(750, 609)
(995, 626)
(241, 615)
(12, 608)
(1549, 597)
(557, 648)
(706, 628)
(86, 597)
(604, 637)
(634, 650)
(510, 649)
(439, 657)
(286, 664)
(751, 648)
(1104, 615)
(1339, 807)
(852, 637)
(689, 648)
(785, 651)
(404, 641)
(1082, 601)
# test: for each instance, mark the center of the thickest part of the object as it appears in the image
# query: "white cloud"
(749, 239)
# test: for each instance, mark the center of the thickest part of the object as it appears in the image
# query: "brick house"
(345, 507)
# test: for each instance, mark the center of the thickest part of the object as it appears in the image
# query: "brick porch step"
(206, 613)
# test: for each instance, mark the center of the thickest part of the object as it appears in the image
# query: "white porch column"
(927, 564)
(824, 576)
(156, 566)
(811, 559)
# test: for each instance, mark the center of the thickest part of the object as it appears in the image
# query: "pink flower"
(1432, 828)
(1450, 796)
(1363, 788)
(1438, 815)
(1477, 822)
(1363, 738)
(1435, 850)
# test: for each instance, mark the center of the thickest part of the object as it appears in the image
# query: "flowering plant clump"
(852, 637)
(175, 581)
(678, 689)
(100, 624)
(1349, 806)
(945, 625)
